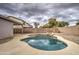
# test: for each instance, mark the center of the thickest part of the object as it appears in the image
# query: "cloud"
(40, 12)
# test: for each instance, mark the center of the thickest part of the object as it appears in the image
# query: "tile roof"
(12, 19)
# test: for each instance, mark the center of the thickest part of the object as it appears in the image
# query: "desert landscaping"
(16, 46)
(32, 30)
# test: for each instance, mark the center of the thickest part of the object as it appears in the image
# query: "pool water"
(45, 42)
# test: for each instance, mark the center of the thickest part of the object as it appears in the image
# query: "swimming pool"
(45, 42)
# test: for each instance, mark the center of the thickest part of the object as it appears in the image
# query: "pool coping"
(23, 48)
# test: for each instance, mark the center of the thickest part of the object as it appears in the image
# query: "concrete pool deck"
(17, 47)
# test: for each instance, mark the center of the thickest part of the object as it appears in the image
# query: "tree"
(45, 26)
(36, 24)
(53, 23)
(77, 23)
(62, 24)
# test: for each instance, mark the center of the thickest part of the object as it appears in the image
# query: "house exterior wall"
(6, 29)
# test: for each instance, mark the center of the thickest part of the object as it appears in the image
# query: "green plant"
(77, 23)
(36, 24)
(53, 23)
(62, 24)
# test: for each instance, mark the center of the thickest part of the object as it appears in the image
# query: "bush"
(53, 23)
(77, 23)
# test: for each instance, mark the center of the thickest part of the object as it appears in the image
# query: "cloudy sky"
(40, 12)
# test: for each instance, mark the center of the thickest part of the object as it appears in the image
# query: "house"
(27, 25)
(17, 27)
(6, 26)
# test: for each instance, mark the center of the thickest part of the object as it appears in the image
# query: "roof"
(27, 25)
(16, 20)
(12, 19)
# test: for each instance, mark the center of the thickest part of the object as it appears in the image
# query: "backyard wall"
(66, 30)
(6, 29)
(36, 30)
(74, 30)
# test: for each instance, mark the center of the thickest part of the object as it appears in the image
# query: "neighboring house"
(6, 26)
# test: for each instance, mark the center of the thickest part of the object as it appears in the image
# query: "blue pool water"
(45, 42)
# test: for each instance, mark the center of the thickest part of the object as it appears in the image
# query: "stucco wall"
(74, 30)
(36, 30)
(6, 29)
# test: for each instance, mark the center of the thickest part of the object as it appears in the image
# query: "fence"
(36, 30)
(67, 30)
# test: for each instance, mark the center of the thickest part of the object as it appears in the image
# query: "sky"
(41, 12)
